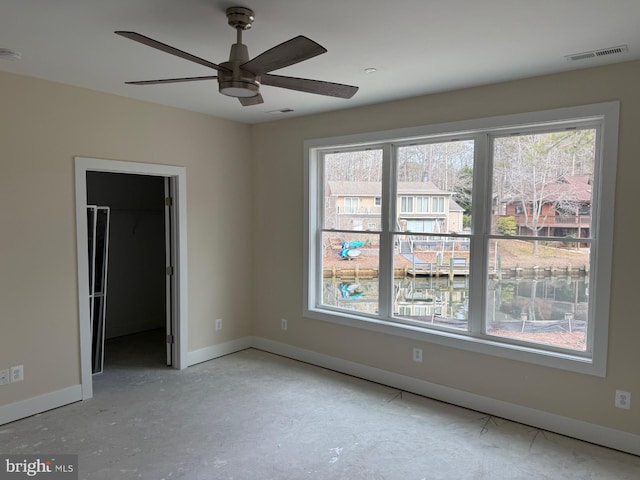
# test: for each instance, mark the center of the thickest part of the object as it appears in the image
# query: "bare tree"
(528, 169)
(440, 163)
(355, 166)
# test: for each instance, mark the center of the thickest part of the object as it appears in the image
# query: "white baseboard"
(608, 437)
(31, 406)
(215, 351)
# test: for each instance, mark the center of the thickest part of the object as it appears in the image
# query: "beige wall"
(43, 125)
(278, 216)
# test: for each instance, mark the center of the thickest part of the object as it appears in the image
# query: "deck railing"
(553, 220)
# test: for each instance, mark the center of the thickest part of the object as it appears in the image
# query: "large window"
(490, 235)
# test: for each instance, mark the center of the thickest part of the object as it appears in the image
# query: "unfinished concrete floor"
(254, 415)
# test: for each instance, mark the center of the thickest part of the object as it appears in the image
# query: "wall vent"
(597, 53)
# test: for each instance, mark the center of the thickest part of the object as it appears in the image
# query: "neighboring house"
(565, 209)
(455, 218)
(353, 205)
(421, 207)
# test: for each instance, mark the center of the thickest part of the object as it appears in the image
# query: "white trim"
(597, 434)
(219, 350)
(605, 436)
(34, 405)
(82, 166)
(460, 128)
(592, 362)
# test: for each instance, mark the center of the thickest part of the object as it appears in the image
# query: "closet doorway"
(135, 288)
(146, 282)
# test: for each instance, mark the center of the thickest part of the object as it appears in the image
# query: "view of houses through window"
(537, 242)
(541, 188)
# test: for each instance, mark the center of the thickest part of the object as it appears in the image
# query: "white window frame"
(593, 361)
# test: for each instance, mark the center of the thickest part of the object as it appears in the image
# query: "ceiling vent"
(597, 53)
(281, 111)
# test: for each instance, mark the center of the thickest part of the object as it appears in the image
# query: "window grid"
(408, 204)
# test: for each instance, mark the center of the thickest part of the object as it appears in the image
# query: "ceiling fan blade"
(248, 101)
(292, 51)
(170, 80)
(136, 37)
(310, 86)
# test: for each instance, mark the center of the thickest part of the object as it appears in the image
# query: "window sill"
(522, 353)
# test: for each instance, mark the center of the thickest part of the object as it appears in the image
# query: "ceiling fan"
(241, 77)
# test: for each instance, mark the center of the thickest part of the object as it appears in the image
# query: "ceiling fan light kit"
(239, 89)
(241, 77)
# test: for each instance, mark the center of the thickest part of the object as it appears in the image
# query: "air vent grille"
(597, 53)
(280, 111)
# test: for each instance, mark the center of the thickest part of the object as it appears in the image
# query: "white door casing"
(177, 178)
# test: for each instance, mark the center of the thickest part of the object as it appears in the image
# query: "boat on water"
(349, 250)
(350, 290)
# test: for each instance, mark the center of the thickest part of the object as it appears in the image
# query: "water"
(521, 305)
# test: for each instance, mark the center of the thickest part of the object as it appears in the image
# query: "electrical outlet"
(623, 399)
(17, 373)
(283, 323)
(218, 324)
(4, 376)
(417, 355)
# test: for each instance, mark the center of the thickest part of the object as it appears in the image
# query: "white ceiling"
(417, 46)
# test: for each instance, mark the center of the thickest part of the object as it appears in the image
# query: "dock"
(457, 267)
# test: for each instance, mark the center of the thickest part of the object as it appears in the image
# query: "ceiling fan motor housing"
(237, 82)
